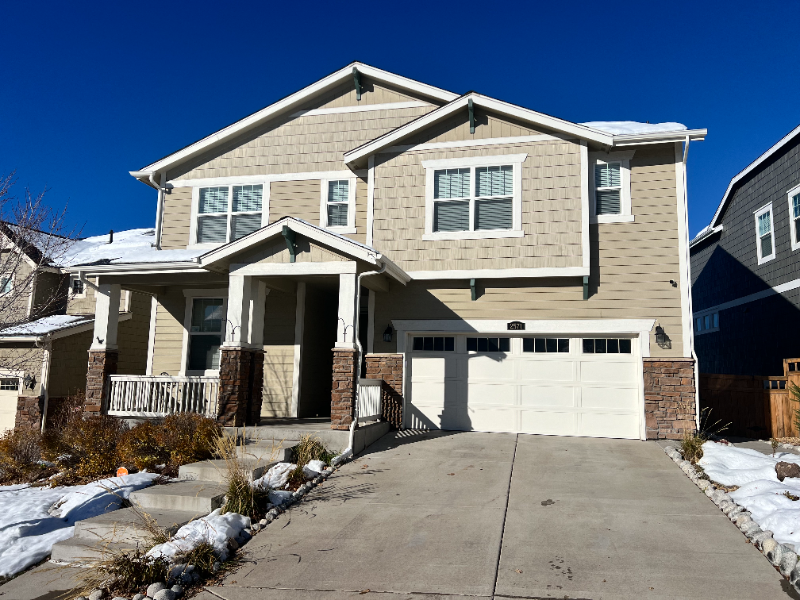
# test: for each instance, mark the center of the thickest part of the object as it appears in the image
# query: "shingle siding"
(754, 337)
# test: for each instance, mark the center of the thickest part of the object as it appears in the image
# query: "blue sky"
(94, 90)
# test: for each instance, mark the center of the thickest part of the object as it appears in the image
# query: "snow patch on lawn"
(276, 477)
(216, 529)
(32, 519)
(759, 491)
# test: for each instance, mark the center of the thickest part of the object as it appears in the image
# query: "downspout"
(689, 291)
(360, 349)
(159, 208)
(48, 358)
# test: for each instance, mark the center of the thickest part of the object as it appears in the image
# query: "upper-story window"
(6, 284)
(76, 287)
(227, 213)
(610, 183)
(794, 216)
(765, 238)
(474, 198)
(337, 207)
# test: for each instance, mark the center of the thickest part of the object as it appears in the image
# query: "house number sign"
(516, 326)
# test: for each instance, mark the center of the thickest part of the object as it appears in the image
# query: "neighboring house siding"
(15, 306)
(300, 199)
(50, 294)
(551, 211)
(168, 347)
(133, 336)
(177, 218)
(279, 325)
(25, 359)
(69, 364)
(83, 305)
(755, 337)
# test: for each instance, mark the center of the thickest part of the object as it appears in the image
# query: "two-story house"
(48, 321)
(746, 272)
(497, 268)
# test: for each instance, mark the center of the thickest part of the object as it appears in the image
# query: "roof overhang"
(285, 106)
(356, 158)
(705, 234)
(693, 135)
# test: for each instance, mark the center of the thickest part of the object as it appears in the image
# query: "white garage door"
(567, 386)
(9, 391)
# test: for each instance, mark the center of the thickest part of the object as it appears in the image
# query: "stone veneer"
(669, 398)
(343, 388)
(241, 374)
(389, 368)
(29, 412)
(102, 363)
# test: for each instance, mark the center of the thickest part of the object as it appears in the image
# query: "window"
(227, 213)
(488, 344)
(9, 384)
(794, 216)
(765, 244)
(473, 198)
(6, 284)
(76, 286)
(545, 344)
(774, 384)
(607, 346)
(706, 323)
(610, 183)
(435, 344)
(337, 209)
(205, 334)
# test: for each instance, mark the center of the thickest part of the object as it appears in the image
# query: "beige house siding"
(631, 268)
(279, 322)
(16, 310)
(177, 218)
(69, 364)
(487, 125)
(551, 211)
(300, 199)
(84, 304)
(168, 343)
(133, 335)
(25, 359)
(305, 251)
(361, 212)
(372, 92)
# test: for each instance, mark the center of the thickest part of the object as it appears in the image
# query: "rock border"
(781, 556)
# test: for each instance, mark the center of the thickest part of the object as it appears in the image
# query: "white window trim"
(789, 195)
(756, 214)
(73, 278)
(264, 183)
(351, 205)
(431, 166)
(624, 158)
(11, 279)
(191, 295)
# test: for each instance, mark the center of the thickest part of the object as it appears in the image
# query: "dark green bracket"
(288, 235)
(357, 81)
(471, 116)
(585, 287)
(473, 290)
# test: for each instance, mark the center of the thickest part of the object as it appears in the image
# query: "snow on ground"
(759, 491)
(276, 477)
(633, 127)
(215, 529)
(32, 519)
(130, 246)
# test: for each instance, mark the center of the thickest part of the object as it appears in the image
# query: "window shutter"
(212, 230)
(241, 225)
(337, 215)
(494, 214)
(494, 181)
(451, 183)
(213, 200)
(608, 202)
(247, 198)
(607, 175)
(451, 216)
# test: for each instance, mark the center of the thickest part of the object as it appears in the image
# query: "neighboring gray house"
(746, 269)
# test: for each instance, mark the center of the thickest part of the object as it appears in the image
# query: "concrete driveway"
(448, 515)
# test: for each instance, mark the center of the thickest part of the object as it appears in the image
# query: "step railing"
(158, 396)
(370, 400)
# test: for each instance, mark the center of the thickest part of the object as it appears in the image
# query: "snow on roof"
(129, 246)
(46, 325)
(633, 127)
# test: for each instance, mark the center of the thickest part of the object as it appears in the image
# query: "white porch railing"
(147, 396)
(370, 399)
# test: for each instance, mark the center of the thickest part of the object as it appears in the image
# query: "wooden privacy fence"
(755, 406)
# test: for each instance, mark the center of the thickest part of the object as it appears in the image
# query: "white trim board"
(681, 155)
(151, 335)
(778, 289)
(338, 110)
(500, 273)
(520, 139)
(795, 242)
(254, 179)
(539, 326)
(303, 268)
(299, 330)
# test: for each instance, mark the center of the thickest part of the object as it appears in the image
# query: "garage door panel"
(614, 425)
(606, 371)
(550, 422)
(610, 397)
(534, 369)
(541, 396)
(8, 409)
(487, 367)
(493, 418)
(488, 393)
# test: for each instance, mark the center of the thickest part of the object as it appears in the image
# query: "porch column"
(257, 307)
(347, 311)
(103, 353)
(345, 359)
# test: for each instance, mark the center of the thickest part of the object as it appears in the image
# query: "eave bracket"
(289, 236)
(585, 287)
(357, 81)
(471, 116)
(473, 290)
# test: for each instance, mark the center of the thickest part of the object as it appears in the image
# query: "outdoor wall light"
(387, 334)
(661, 337)
(29, 381)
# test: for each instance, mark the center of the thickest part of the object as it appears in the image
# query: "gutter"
(697, 135)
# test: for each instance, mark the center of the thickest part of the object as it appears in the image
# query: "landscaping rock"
(165, 594)
(177, 590)
(773, 551)
(119, 598)
(789, 548)
(703, 484)
(788, 563)
(216, 567)
(760, 538)
(787, 469)
(97, 595)
(255, 526)
(751, 529)
(794, 577)
(263, 522)
(139, 597)
(728, 507)
(154, 588)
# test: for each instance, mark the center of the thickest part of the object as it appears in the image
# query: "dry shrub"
(311, 448)
(142, 447)
(189, 437)
(20, 453)
(202, 557)
(692, 447)
(88, 445)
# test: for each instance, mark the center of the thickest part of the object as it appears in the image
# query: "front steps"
(199, 497)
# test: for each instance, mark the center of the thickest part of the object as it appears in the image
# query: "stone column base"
(669, 398)
(343, 388)
(102, 363)
(235, 381)
(29, 412)
(389, 368)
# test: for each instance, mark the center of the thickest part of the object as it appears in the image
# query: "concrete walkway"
(453, 515)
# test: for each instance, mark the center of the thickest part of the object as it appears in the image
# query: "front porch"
(253, 333)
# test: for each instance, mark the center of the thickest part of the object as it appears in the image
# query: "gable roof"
(716, 226)
(286, 105)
